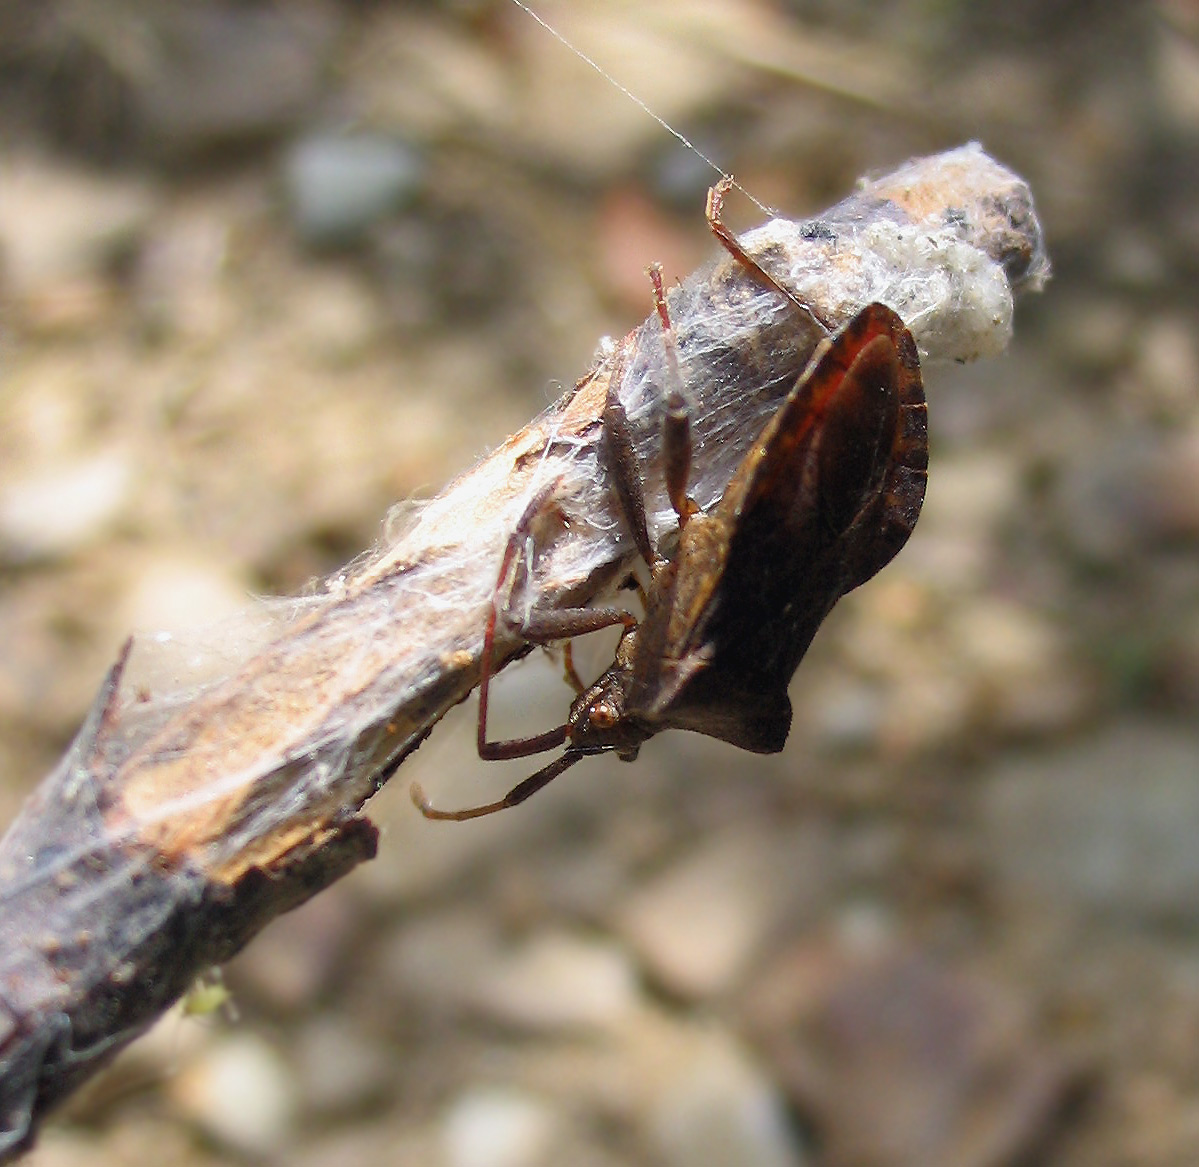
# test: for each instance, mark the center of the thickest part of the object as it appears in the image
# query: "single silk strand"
(641, 104)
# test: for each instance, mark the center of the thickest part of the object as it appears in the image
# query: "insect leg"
(539, 628)
(622, 463)
(514, 797)
(729, 241)
(517, 747)
(568, 668)
(676, 424)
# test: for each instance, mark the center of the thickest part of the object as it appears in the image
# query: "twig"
(174, 830)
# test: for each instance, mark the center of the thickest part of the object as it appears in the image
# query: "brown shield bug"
(826, 496)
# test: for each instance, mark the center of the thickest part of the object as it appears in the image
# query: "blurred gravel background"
(269, 268)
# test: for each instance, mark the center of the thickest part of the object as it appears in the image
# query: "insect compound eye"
(603, 715)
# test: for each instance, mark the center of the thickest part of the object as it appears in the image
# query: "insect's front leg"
(729, 241)
(537, 628)
(514, 797)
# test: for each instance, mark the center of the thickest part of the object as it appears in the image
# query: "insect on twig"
(826, 496)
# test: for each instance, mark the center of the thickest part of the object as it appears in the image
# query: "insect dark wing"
(827, 450)
(826, 497)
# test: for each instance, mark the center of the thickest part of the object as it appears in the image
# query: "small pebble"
(1102, 500)
(1016, 661)
(698, 924)
(228, 74)
(1106, 825)
(241, 1093)
(559, 982)
(845, 713)
(173, 593)
(339, 187)
(722, 1111)
(1167, 366)
(904, 1061)
(340, 1069)
(54, 512)
(493, 1127)
(973, 489)
(1177, 76)
(437, 961)
(60, 225)
(1174, 485)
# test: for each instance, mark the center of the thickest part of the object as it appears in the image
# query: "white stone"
(59, 223)
(560, 982)
(52, 512)
(492, 1127)
(699, 924)
(722, 1111)
(241, 1093)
